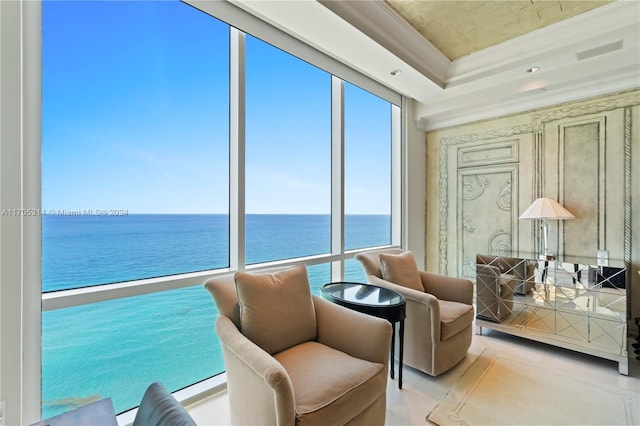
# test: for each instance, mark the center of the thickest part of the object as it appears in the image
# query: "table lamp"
(546, 209)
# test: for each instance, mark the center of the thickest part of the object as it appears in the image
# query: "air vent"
(600, 50)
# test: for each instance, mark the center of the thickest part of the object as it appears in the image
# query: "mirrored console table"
(572, 302)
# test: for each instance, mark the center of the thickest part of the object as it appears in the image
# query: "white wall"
(414, 184)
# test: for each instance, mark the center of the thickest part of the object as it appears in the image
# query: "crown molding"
(381, 23)
(615, 21)
(535, 101)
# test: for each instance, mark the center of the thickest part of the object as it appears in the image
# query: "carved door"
(486, 213)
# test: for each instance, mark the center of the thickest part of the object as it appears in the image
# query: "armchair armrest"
(259, 377)
(359, 335)
(423, 308)
(508, 284)
(408, 293)
(448, 288)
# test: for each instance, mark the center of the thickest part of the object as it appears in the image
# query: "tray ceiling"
(458, 28)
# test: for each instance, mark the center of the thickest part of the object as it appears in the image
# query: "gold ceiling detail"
(458, 28)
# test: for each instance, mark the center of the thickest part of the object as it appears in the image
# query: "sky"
(135, 115)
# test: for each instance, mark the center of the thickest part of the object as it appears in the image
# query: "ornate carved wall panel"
(582, 185)
(484, 207)
(493, 153)
(586, 175)
(486, 201)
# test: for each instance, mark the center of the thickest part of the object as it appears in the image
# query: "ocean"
(118, 347)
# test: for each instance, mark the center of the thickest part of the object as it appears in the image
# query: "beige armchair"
(494, 293)
(438, 327)
(296, 359)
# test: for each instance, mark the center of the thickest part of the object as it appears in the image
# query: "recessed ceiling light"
(532, 69)
(395, 72)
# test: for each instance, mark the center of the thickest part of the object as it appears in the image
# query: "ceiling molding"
(381, 22)
(527, 101)
(618, 17)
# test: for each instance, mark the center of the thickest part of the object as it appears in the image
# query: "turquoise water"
(116, 348)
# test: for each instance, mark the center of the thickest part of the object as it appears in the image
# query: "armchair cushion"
(454, 317)
(401, 269)
(326, 392)
(276, 310)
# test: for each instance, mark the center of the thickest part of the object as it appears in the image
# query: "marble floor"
(421, 393)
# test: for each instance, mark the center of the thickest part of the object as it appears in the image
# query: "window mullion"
(237, 231)
(397, 178)
(337, 175)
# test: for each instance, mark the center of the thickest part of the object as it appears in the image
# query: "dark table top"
(363, 294)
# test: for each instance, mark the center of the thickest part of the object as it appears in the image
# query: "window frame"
(20, 188)
(20, 191)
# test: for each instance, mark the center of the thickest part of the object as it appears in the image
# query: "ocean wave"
(71, 403)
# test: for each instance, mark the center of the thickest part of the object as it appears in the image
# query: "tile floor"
(421, 393)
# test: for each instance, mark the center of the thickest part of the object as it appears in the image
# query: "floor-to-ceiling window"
(137, 149)
(288, 155)
(135, 185)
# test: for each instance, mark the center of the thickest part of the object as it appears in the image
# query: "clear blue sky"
(135, 116)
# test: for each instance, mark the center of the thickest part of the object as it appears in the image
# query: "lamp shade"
(546, 208)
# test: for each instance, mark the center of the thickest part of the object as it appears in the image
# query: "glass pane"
(354, 272)
(288, 155)
(117, 348)
(367, 230)
(284, 236)
(135, 141)
(319, 275)
(80, 251)
(367, 129)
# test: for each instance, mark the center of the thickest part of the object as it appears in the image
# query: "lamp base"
(547, 257)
